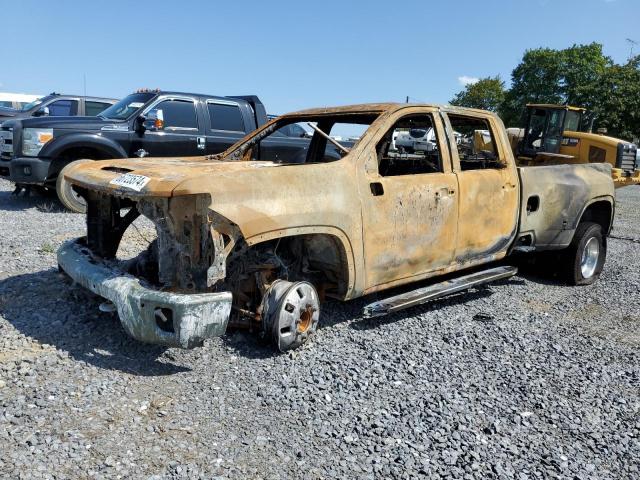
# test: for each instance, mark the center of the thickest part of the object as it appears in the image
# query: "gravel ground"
(527, 379)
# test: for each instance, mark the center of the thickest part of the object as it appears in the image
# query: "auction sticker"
(130, 180)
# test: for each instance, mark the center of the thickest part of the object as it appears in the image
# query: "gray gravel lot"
(527, 379)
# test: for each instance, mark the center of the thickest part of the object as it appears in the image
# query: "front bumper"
(29, 170)
(144, 311)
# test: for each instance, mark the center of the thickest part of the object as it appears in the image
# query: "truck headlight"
(33, 139)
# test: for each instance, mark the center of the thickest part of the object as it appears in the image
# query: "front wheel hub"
(291, 311)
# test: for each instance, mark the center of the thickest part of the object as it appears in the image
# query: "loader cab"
(545, 126)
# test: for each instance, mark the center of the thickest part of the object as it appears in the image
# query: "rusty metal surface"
(438, 290)
(195, 317)
(564, 192)
(227, 224)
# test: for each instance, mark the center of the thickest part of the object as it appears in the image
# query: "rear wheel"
(586, 255)
(291, 312)
(67, 195)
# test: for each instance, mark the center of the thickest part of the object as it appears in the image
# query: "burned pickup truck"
(247, 239)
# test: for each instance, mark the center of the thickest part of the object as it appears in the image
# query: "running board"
(438, 290)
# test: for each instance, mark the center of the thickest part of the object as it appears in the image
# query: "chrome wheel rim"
(590, 255)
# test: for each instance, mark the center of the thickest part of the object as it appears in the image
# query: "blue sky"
(293, 54)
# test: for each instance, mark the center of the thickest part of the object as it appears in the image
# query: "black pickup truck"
(57, 105)
(146, 123)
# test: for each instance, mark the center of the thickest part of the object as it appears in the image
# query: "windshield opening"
(306, 139)
(31, 105)
(127, 106)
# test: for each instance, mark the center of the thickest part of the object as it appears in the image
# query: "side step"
(438, 290)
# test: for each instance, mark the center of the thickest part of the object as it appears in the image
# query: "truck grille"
(627, 157)
(6, 144)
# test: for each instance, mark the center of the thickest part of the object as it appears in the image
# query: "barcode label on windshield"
(129, 180)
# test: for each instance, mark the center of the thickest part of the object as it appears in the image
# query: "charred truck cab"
(254, 238)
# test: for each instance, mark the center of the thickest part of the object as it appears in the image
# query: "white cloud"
(465, 80)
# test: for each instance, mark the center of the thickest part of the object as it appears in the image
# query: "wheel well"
(599, 212)
(326, 254)
(75, 153)
(320, 259)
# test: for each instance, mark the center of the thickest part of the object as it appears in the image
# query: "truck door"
(171, 130)
(94, 107)
(409, 205)
(488, 184)
(225, 125)
(63, 107)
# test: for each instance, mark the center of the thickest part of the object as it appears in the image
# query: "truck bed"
(553, 198)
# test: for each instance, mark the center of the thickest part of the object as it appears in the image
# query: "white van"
(16, 100)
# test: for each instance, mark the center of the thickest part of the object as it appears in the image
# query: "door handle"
(376, 189)
(444, 192)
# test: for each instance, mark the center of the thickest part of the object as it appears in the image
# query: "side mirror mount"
(41, 112)
(152, 121)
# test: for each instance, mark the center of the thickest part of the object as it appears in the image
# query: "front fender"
(104, 145)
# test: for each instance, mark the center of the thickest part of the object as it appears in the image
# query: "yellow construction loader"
(552, 135)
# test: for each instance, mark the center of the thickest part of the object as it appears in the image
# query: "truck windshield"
(319, 138)
(127, 106)
(31, 105)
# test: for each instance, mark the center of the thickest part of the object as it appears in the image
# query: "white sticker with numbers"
(130, 180)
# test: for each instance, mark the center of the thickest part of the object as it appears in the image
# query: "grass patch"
(47, 248)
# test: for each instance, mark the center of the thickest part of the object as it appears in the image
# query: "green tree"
(580, 75)
(583, 67)
(545, 75)
(487, 94)
(618, 100)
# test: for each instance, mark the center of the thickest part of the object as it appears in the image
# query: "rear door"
(488, 182)
(225, 124)
(94, 107)
(171, 129)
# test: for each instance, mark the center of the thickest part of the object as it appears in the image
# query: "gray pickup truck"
(251, 238)
(57, 105)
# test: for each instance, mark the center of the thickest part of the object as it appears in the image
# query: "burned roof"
(378, 108)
